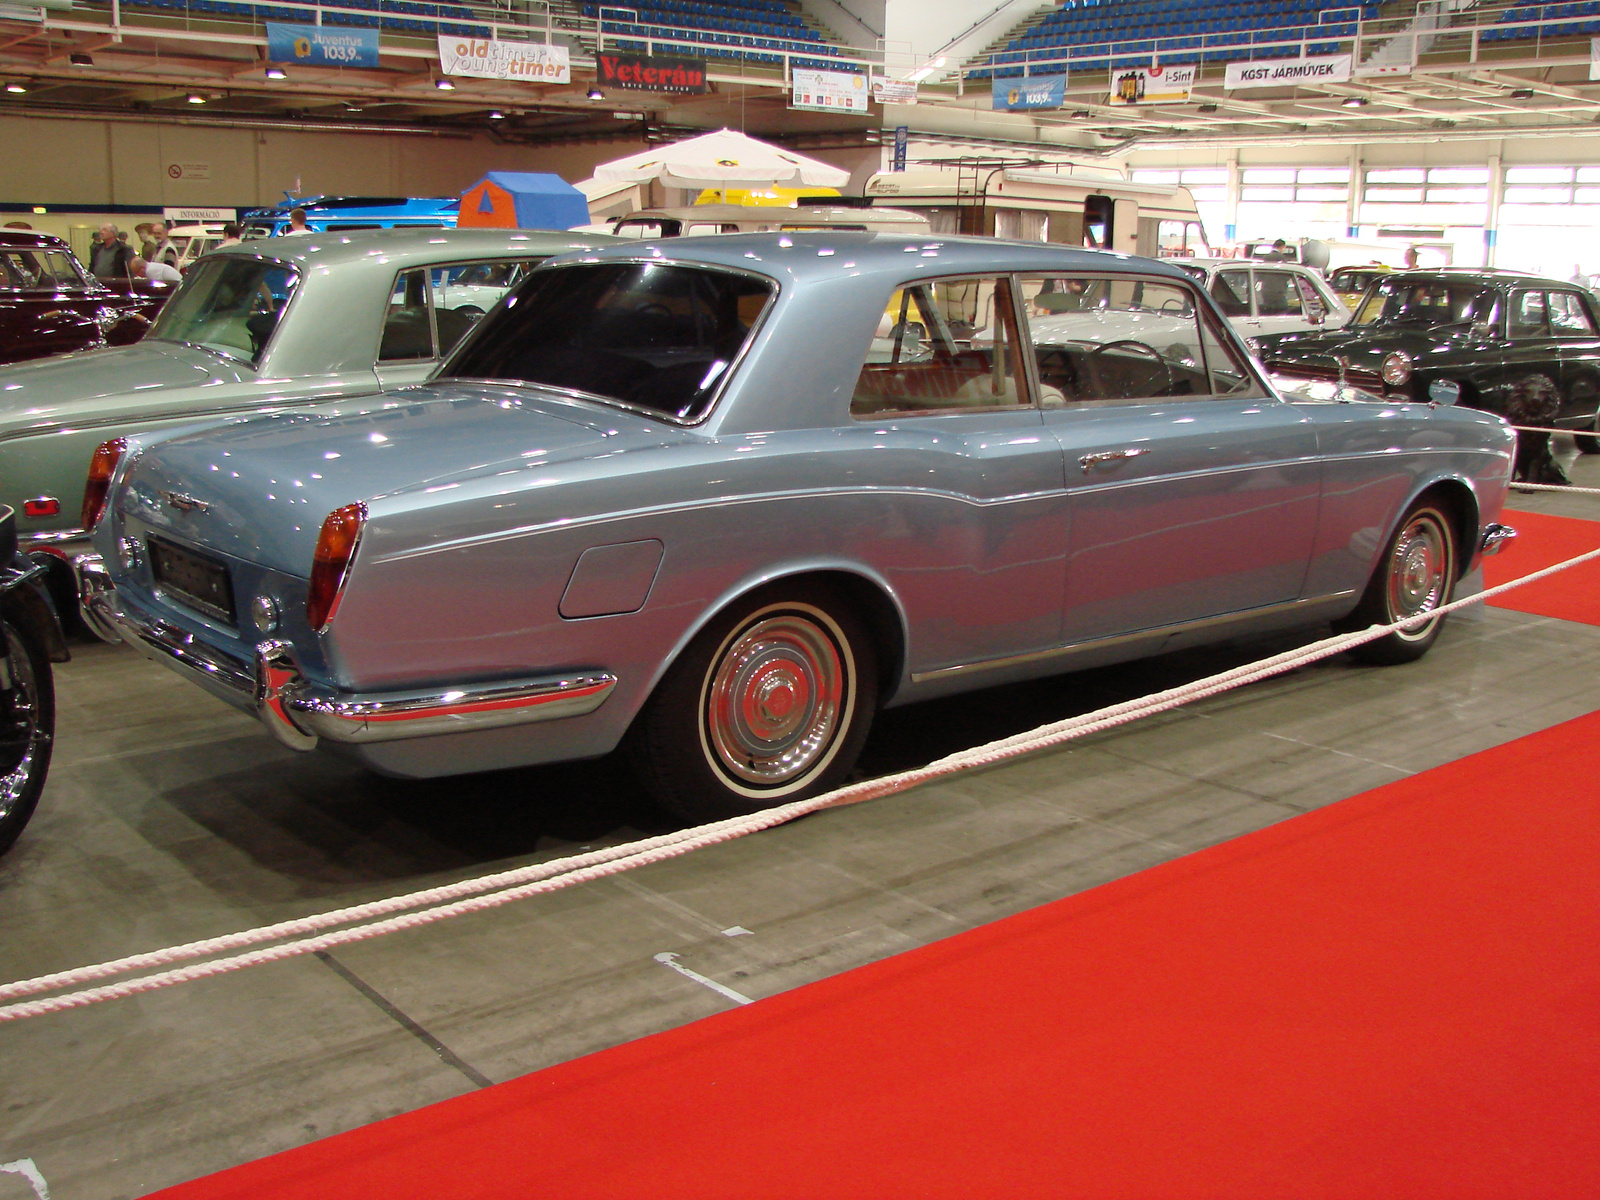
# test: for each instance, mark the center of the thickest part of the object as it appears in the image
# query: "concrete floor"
(170, 817)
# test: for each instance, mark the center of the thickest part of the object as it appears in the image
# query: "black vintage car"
(1519, 345)
(49, 304)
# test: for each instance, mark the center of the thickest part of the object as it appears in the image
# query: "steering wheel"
(1092, 359)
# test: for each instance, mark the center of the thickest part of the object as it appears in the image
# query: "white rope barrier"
(504, 887)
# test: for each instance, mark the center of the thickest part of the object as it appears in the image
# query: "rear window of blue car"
(655, 336)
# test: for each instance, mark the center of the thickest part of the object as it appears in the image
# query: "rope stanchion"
(504, 887)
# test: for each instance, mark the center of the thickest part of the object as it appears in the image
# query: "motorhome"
(1036, 203)
(354, 212)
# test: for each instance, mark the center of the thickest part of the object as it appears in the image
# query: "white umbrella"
(723, 159)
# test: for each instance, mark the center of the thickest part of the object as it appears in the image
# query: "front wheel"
(1415, 576)
(27, 729)
(770, 703)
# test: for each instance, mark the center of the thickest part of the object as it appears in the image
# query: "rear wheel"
(770, 703)
(1415, 576)
(27, 731)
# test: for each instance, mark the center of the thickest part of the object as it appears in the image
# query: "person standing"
(110, 257)
(230, 235)
(161, 250)
(1409, 260)
(297, 222)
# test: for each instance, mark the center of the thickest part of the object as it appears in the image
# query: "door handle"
(1090, 461)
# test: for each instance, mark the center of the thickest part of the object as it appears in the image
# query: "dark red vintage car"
(49, 304)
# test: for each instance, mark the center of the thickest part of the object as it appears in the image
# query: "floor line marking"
(446, 1055)
(25, 1168)
(668, 959)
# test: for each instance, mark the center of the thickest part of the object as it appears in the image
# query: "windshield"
(229, 305)
(657, 336)
(1425, 304)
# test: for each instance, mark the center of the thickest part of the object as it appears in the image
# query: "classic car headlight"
(98, 488)
(1396, 368)
(330, 564)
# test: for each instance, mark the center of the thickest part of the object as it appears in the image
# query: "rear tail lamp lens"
(101, 468)
(330, 565)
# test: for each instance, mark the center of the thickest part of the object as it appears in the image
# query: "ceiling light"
(1522, 94)
(1208, 108)
(596, 94)
(196, 98)
(496, 115)
(1081, 113)
(277, 73)
(80, 60)
(1355, 101)
(16, 89)
(444, 85)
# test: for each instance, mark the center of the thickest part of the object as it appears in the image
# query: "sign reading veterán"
(322, 45)
(488, 58)
(1151, 85)
(1024, 92)
(652, 73)
(829, 91)
(1288, 72)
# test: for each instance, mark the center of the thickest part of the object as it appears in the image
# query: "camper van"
(700, 219)
(1036, 204)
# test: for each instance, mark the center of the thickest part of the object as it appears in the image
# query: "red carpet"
(1394, 997)
(1542, 541)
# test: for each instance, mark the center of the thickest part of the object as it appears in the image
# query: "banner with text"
(1024, 92)
(1594, 58)
(893, 91)
(829, 91)
(1288, 72)
(322, 45)
(1151, 85)
(652, 73)
(487, 58)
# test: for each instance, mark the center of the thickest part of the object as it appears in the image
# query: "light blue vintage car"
(720, 499)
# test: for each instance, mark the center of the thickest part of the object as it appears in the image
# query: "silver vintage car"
(720, 499)
(267, 325)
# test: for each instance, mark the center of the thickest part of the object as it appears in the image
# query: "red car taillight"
(101, 468)
(336, 547)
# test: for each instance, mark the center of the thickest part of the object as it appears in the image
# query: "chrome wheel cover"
(23, 729)
(777, 697)
(1419, 572)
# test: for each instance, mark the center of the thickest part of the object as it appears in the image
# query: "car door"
(1231, 289)
(965, 515)
(1278, 303)
(45, 305)
(1192, 491)
(418, 331)
(1530, 349)
(1577, 340)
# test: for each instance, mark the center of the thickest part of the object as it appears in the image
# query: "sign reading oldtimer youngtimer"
(489, 58)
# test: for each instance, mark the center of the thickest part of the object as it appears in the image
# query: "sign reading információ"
(488, 58)
(652, 73)
(1288, 72)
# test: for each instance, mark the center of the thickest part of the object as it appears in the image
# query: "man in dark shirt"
(110, 258)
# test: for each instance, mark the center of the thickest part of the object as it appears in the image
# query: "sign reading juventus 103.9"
(652, 73)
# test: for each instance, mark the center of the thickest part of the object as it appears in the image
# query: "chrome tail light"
(98, 488)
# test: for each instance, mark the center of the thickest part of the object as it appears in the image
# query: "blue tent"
(523, 200)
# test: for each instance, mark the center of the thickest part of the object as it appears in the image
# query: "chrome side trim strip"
(995, 664)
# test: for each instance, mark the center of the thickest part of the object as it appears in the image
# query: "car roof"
(813, 255)
(401, 246)
(1208, 263)
(1485, 275)
(30, 239)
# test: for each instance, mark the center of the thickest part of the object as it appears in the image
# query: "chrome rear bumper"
(1494, 538)
(300, 713)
